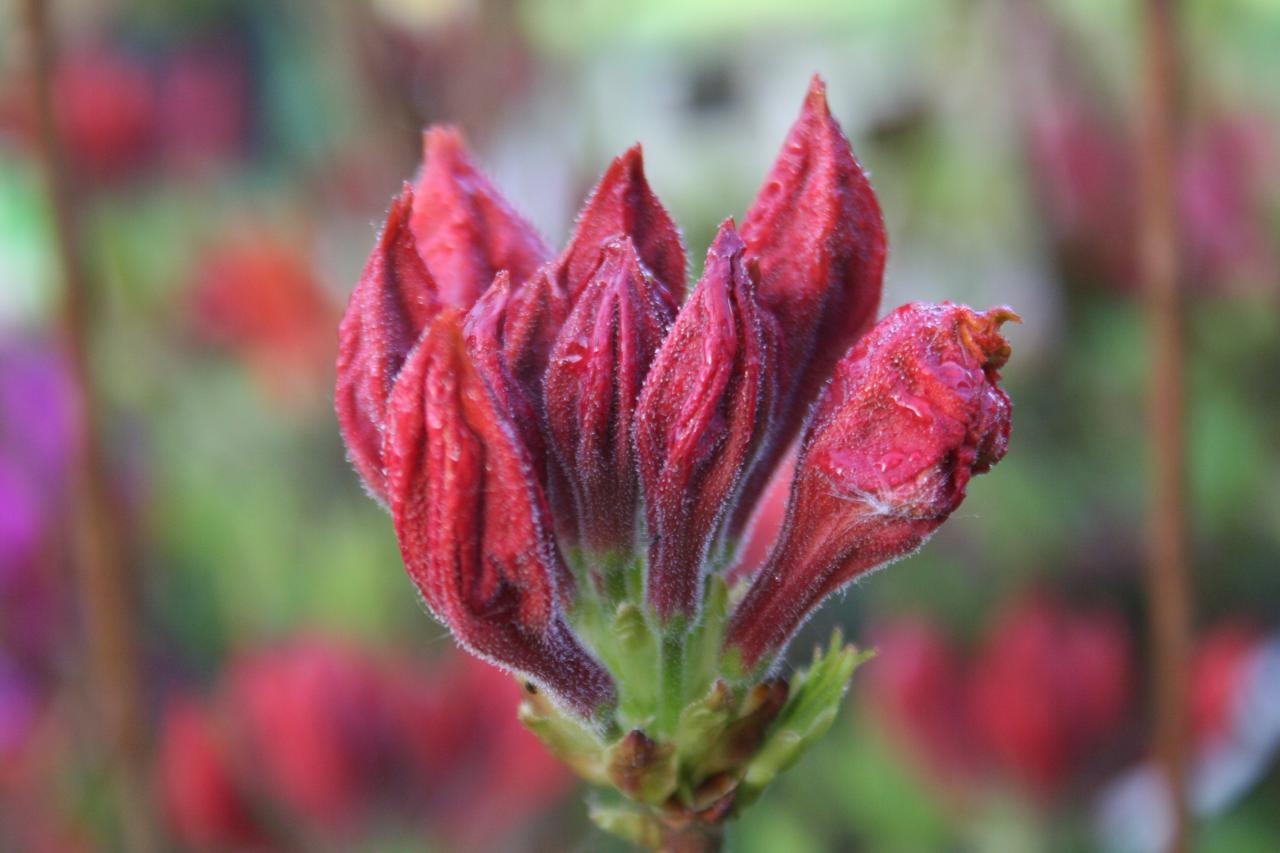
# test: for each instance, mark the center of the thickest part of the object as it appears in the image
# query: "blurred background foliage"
(233, 161)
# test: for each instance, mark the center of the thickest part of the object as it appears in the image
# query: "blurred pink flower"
(203, 107)
(105, 105)
(1085, 168)
(201, 798)
(1219, 672)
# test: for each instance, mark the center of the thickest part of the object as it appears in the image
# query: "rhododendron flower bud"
(484, 328)
(570, 448)
(702, 412)
(816, 231)
(473, 522)
(465, 230)
(389, 308)
(623, 205)
(911, 414)
(510, 331)
(591, 387)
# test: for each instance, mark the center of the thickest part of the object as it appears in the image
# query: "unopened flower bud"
(623, 205)
(816, 231)
(473, 523)
(466, 230)
(389, 308)
(912, 413)
(591, 387)
(702, 413)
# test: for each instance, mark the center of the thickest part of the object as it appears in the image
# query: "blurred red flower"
(1049, 688)
(316, 739)
(257, 294)
(105, 105)
(916, 686)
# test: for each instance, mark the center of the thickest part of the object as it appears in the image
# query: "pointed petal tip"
(442, 143)
(727, 240)
(627, 166)
(816, 97)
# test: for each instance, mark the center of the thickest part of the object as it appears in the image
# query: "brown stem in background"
(101, 570)
(1167, 577)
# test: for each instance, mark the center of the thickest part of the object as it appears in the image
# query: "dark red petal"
(702, 413)
(597, 367)
(816, 230)
(536, 311)
(483, 328)
(913, 412)
(473, 523)
(622, 204)
(393, 302)
(510, 331)
(466, 230)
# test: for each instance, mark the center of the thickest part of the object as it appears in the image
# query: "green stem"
(672, 695)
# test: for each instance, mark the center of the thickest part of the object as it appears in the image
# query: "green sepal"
(564, 736)
(703, 644)
(702, 723)
(643, 769)
(815, 700)
(635, 656)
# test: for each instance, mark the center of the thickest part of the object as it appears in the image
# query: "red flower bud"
(389, 308)
(816, 230)
(535, 311)
(472, 522)
(592, 384)
(466, 230)
(912, 413)
(484, 328)
(622, 204)
(510, 331)
(702, 413)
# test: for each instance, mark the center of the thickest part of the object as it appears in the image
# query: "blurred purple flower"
(38, 412)
(18, 708)
(38, 419)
